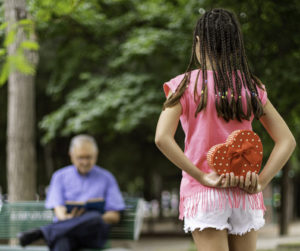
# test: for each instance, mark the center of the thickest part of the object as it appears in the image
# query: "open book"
(92, 204)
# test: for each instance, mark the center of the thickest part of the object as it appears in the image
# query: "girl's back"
(223, 212)
(206, 128)
(203, 131)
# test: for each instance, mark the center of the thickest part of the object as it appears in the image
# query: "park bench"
(21, 216)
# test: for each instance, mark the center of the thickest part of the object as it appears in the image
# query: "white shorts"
(237, 221)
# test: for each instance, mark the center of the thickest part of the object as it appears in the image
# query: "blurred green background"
(101, 70)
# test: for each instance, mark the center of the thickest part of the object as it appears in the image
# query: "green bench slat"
(18, 248)
(44, 248)
(34, 248)
(21, 216)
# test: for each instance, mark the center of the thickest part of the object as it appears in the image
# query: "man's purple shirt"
(68, 184)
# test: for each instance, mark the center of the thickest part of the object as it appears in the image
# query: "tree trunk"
(49, 165)
(284, 212)
(21, 156)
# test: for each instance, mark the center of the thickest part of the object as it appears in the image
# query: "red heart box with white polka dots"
(242, 152)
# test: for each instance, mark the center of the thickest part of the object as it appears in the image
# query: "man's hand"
(111, 217)
(61, 213)
(75, 213)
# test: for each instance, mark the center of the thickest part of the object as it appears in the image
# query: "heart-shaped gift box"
(242, 152)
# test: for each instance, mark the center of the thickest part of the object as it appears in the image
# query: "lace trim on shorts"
(246, 229)
(195, 226)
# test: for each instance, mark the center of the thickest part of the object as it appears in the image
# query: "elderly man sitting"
(79, 182)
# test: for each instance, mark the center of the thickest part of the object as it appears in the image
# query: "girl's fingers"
(232, 179)
(241, 182)
(248, 183)
(236, 180)
(254, 181)
(214, 180)
(226, 183)
(247, 180)
(221, 180)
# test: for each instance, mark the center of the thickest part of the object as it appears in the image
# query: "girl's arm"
(285, 143)
(164, 139)
(284, 146)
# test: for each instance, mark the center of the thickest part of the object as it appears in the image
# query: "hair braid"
(215, 62)
(222, 48)
(225, 72)
(203, 94)
(232, 103)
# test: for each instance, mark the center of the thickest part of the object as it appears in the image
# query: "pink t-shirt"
(201, 133)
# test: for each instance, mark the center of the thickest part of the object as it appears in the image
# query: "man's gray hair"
(82, 138)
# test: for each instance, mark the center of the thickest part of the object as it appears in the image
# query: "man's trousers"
(85, 231)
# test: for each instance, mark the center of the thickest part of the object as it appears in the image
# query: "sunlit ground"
(285, 247)
(193, 248)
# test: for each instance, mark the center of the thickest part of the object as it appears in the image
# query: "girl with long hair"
(217, 95)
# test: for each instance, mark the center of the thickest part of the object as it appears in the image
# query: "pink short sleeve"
(172, 86)
(262, 93)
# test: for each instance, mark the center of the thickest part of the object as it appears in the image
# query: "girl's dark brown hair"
(221, 42)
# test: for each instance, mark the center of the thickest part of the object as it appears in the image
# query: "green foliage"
(100, 100)
(1, 12)
(17, 61)
(3, 73)
(129, 55)
(103, 63)
(10, 38)
(150, 39)
(2, 52)
(29, 45)
(272, 45)
(101, 71)
(45, 9)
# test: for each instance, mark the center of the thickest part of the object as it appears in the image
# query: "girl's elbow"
(287, 142)
(158, 141)
(293, 142)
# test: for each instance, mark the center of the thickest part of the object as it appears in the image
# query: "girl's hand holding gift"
(251, 183)
(213, 179)
(215, 101)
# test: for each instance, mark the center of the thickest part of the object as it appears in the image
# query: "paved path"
(268, 239)
(268, 236)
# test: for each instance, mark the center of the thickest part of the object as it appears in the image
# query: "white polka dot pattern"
(242, 152)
